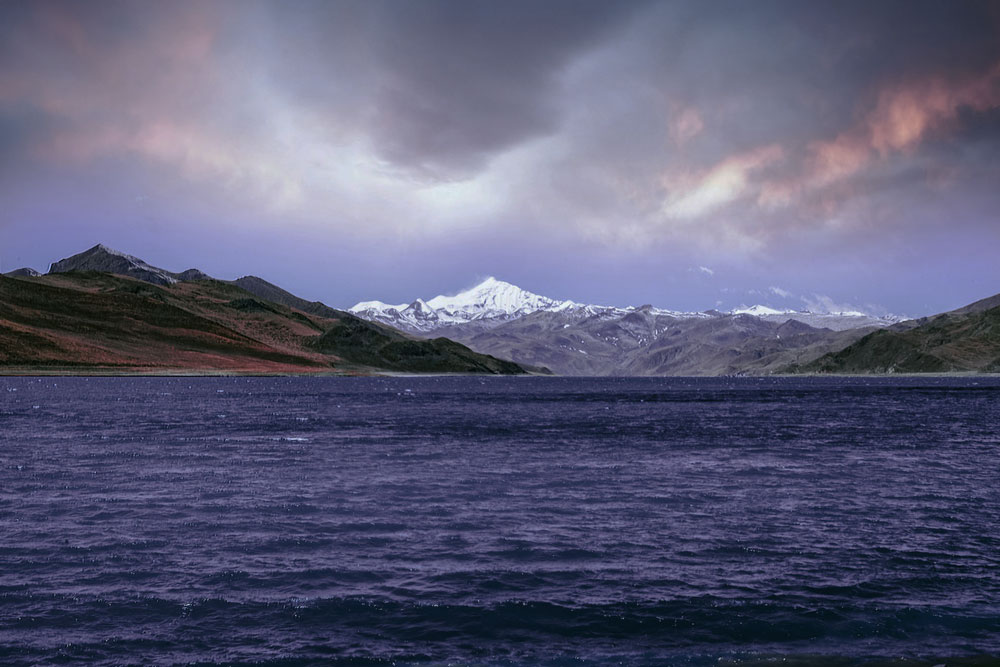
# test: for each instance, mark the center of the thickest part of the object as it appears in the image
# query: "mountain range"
(493, 302)
(105, 309)
(501, 319)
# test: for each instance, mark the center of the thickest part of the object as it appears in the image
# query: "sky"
(692, 155)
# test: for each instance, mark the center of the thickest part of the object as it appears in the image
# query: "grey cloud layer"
(756, 133)
(437, 86)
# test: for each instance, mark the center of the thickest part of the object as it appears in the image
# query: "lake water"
(561, 521)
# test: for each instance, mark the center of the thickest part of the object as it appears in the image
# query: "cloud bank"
(588, 147)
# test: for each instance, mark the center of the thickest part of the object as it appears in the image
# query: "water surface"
(498, 520)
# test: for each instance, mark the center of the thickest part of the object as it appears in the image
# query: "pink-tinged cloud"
(902, 118)
(685, 125)
(834, 160)
(74, 63)
(697, 195)
(906, 114)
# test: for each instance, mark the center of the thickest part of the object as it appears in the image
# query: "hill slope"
(272, 292)
(92, 320)
(963, 340)
(357, 340)
(104, 321)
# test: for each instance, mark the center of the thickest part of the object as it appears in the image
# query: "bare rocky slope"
(646, 343)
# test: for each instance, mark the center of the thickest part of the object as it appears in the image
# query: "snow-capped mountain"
(493, 302)
(490, 299)
(495, 298)
(490, 302)
(570, 338)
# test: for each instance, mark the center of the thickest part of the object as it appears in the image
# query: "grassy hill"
(100, 322)
(963, 340)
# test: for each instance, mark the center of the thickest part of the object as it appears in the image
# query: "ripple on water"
(501, 521)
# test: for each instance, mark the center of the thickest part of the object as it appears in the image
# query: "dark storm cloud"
(796, 72)
(439, 86)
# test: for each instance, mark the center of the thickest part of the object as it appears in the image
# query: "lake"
(506, 521)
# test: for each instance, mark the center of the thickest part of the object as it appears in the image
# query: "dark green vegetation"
(963, 340)
(154, 321)
(358, 341)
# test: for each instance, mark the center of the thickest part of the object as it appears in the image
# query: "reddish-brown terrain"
(98, 322)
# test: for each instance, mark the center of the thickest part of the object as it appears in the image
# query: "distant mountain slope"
(108, 260)
(24, 272)
(735, 345)
(966, 339)
(647, 342)
(564, 342)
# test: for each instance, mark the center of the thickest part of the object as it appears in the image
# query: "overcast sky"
(686, 154)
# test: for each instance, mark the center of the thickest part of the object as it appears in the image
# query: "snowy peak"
(420, 311)
(759, 310)
(492, 301)
(489, 303)
(493, 298)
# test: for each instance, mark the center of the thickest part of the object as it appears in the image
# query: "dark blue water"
(498, 521)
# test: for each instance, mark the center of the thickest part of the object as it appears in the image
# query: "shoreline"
(133, 372)
(112, 372)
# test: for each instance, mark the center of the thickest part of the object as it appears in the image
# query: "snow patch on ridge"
(376, 306)
(759, 310)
